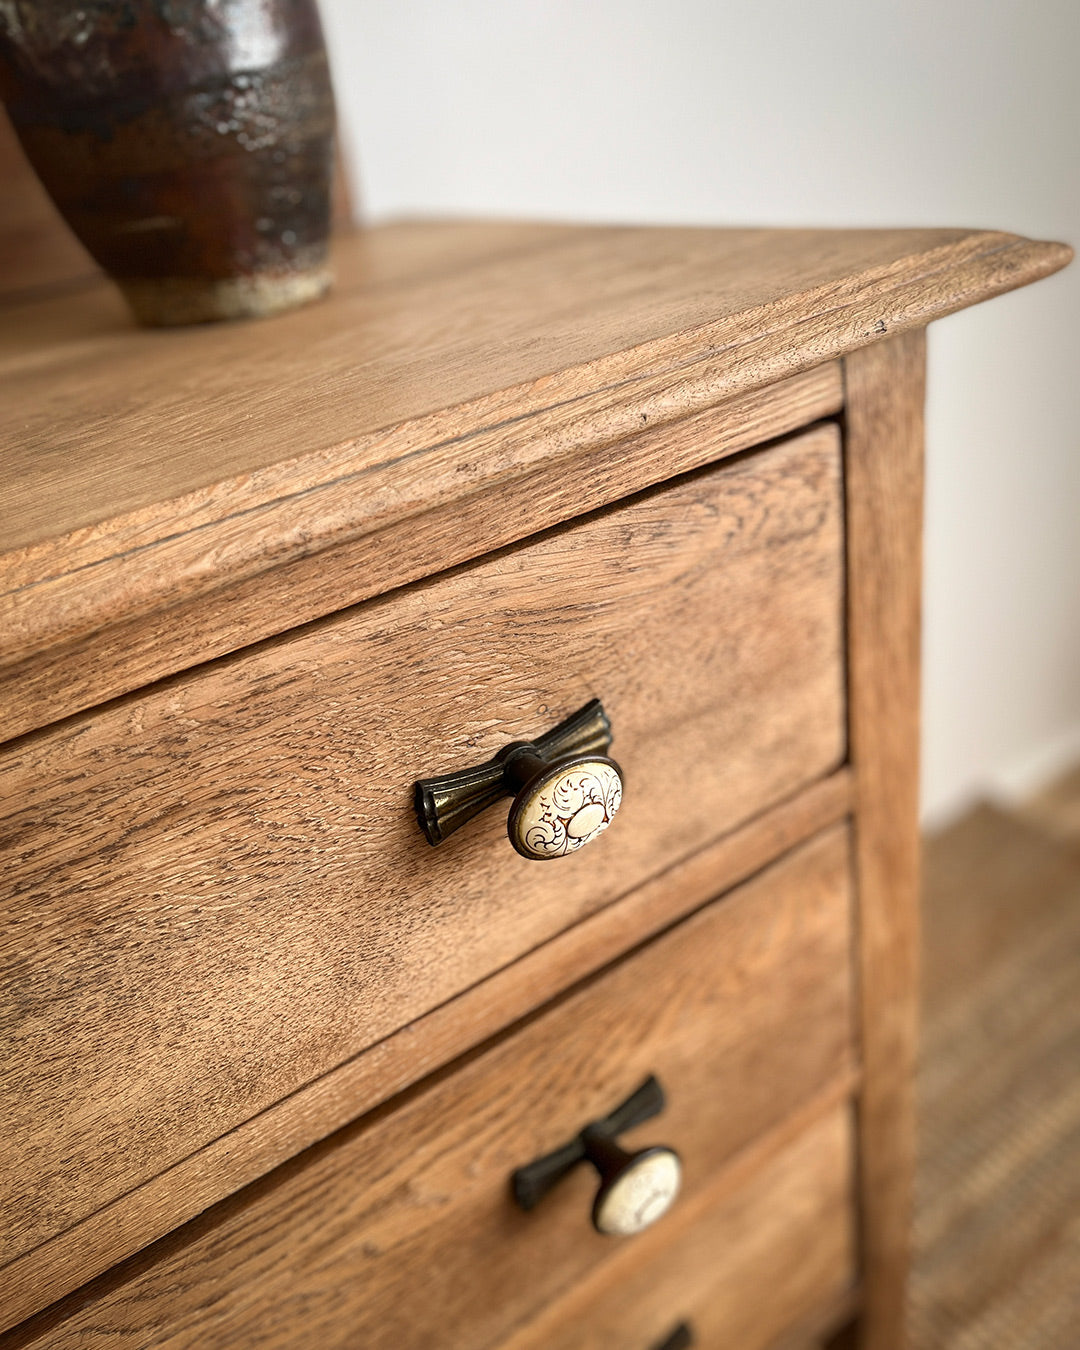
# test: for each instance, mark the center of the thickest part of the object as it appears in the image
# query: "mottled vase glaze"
(189, 144)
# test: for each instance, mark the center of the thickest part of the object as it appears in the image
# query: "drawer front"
(400, 1231)
(755, 1259)
(216, 890)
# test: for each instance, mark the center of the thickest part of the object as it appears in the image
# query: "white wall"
(834, 112)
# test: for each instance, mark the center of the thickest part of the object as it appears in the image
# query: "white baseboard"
(1023, 777)
(1011, 783)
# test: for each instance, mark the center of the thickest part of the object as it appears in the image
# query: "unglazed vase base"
(640, 1195)
(170, 301)
(566, 809)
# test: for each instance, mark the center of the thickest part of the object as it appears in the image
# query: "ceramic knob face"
(640, 1194)
(565, 807)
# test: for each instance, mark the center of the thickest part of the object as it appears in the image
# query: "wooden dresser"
(278, 1072)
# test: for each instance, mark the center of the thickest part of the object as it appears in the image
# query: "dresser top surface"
(455, 365)
(437, 330)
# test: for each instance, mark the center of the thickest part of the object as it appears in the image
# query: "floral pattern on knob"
(566, 809)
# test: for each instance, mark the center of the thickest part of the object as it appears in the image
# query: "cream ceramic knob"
(566, 790)
(560, 806)
(635, 1188)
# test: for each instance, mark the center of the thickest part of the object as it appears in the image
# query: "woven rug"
(997, 1221)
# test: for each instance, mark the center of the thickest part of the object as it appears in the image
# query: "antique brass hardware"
(680, 1338)
(566, 790)
(635, 1188)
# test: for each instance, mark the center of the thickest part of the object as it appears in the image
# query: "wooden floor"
(997, 1228)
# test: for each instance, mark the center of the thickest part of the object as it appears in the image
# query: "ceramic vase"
(188, 144)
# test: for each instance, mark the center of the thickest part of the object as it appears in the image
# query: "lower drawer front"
(400, 1231)
(739, 1271)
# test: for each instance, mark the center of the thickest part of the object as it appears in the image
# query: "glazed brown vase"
(188, 144)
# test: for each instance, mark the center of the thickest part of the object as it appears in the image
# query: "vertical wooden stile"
(885, 385)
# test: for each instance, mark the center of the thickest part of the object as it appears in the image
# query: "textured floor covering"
(997, 1224)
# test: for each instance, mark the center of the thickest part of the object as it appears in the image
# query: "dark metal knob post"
(681, 1338)
(565, 788)
(635, 1188)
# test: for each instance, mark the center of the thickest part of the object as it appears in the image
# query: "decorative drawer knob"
(635, 1188)
(566, 790)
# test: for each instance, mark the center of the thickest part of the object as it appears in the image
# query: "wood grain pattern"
(203, 897)
(883, 469)
(400, 1231)
(208, 461)
(538, 485)
(826, 1326)
(751, 1261)
(117, 1230)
